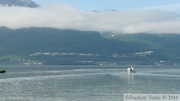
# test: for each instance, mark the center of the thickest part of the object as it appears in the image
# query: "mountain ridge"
(20, 3)
(51, 46)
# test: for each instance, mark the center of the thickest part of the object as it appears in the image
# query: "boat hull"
(2, 71)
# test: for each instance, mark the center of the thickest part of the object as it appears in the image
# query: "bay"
(85, 83)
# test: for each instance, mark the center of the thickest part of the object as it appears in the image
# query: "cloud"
(66, 17)
(63, 54)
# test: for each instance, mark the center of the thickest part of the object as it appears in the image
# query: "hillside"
(50, 46)
(163, 48)
(22, 43)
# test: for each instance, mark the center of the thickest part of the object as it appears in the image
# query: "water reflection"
(130, 81)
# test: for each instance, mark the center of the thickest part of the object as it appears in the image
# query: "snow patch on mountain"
(20, 3)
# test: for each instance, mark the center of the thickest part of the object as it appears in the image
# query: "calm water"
(88, 83)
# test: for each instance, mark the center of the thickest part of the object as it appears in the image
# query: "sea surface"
(85, 83)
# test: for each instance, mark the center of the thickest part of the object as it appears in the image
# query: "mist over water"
(85, 83)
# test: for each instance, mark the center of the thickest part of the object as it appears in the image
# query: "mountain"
(21, 3)
(50, 46)
(154, 48)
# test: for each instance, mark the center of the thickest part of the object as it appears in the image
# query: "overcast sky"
(133, 16)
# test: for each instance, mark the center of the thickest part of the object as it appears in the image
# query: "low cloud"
(63, 54)
(66, 17)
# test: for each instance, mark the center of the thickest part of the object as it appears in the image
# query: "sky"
(109, 4)
(132, 16)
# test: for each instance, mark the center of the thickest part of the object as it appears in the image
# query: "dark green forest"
(49, 46)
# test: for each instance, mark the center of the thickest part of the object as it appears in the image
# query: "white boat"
(130, 70)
